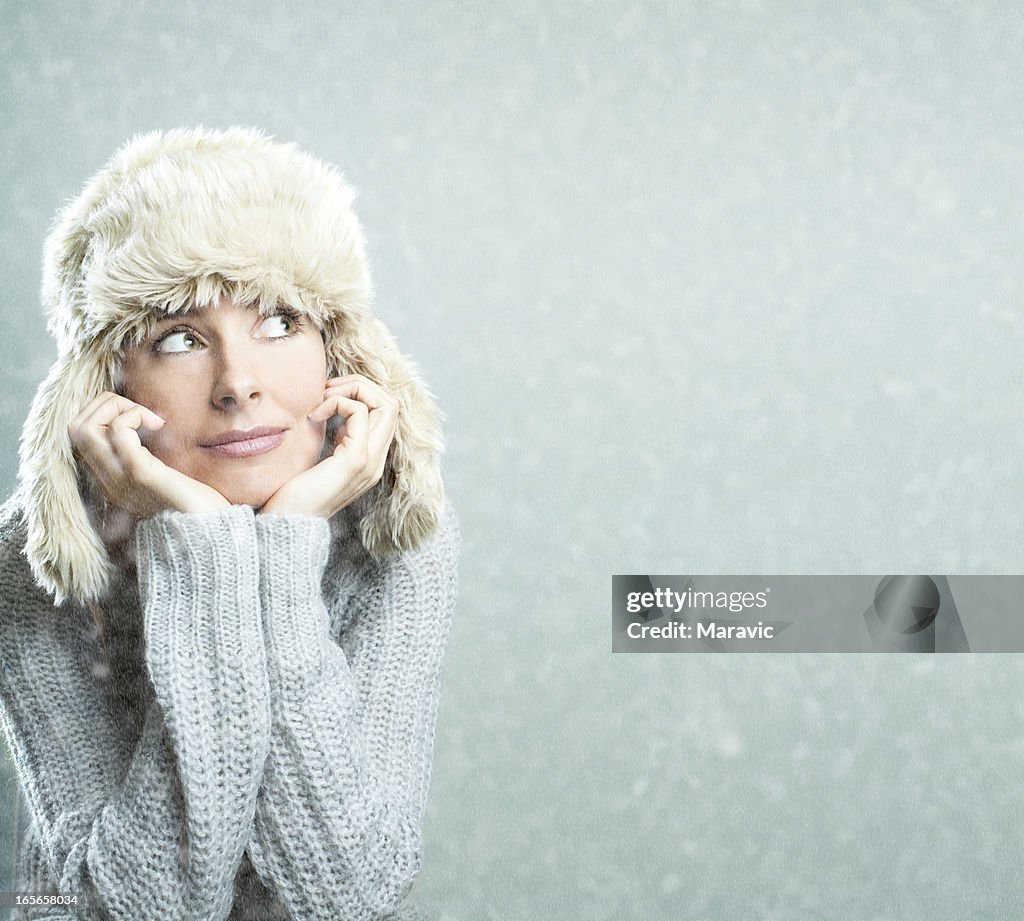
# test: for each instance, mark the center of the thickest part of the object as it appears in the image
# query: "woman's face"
(235, 389)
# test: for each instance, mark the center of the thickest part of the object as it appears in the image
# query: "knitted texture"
(252, 740)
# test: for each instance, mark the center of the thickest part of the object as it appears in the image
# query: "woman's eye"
(178, 342)
(278, 325)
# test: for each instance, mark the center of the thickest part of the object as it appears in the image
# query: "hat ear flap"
(406, 506)
(66, 554)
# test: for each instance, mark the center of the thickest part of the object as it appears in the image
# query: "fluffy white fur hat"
(178, 219)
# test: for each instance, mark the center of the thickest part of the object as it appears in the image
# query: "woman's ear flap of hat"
(66, 554)
(406, 507)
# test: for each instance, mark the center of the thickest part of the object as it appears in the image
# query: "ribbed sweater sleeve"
(157, 832)
(337, 828)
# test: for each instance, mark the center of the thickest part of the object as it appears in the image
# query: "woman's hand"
(105, 439)
(357, 462)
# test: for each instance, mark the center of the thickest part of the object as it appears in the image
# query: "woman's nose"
(237, 380)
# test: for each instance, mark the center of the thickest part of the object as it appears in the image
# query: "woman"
(228, 573)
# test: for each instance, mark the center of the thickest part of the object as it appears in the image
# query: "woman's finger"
(354, 441)
(357, 428)
(363, 389)
(105, 437)
(380, 432)
(137, 417)
(89, 433)
(105, 409)
(90, 407)
(124, 436)
(353, 379)
(114, 422)
(338, 405)
(383, 409)
(86, 413)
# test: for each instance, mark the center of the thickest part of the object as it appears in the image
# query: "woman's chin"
(256, 500)
(256, 496)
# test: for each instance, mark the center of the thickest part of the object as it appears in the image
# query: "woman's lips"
(244, 446)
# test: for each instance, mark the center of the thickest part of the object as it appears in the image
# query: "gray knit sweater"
(252, 736)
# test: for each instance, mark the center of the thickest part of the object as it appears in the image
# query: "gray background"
(702, 287)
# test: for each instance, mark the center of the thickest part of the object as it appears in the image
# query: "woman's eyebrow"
(188, 312)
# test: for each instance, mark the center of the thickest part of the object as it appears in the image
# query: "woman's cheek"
(168, 445)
